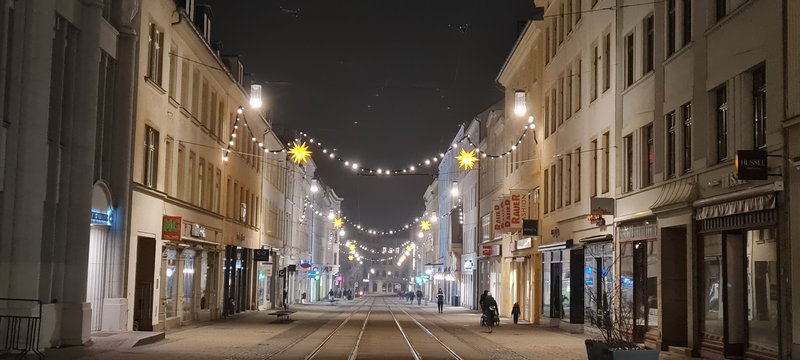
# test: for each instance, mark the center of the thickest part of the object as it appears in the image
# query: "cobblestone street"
(393, 330)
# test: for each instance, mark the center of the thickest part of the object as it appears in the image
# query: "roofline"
(513, 50)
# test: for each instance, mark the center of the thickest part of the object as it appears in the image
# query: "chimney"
(202, 21)
(188, 8)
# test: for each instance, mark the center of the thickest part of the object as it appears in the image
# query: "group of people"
(411, 295)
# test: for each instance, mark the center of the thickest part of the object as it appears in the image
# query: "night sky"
(385, 82)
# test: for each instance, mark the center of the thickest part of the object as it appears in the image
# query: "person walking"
(330, 294)
(490, 311)
(440, 300)
(482, 301)
(419, 297)
(411, 297)
(515, 313)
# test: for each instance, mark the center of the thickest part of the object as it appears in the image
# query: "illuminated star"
(466, 160)
(338, 223)
(300, 153)
(425, 225)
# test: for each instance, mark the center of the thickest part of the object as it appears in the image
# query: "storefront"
(739, 286)
(521, 281)
(598, 259)
(467, 290)
(491, 271)
(638, 277)
(562, 285)
(264, 278)
(236, 289)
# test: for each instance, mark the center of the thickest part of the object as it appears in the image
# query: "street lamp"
(341, 232)
(454, 189)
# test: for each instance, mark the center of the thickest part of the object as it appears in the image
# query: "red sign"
(490, 250)
(497, 217)
(506, 213)
(171, 227)
(519, 210)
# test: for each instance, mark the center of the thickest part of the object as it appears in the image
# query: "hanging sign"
(518, 210)
(261, 255)
(506, 213)
(601, 206)
(530, 227)
(101, 218)
(198, 231)
(171, 228)
(490, 250)
(751, 165)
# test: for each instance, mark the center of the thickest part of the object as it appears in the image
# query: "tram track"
(425, 330)
(354, 353)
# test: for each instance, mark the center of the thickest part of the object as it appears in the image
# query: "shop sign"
(468, 265)
(518, 209)
(520, 259)
(261, 255)
(525, 243)
(198, 231)
(751, 165)
(282, 272)
(601, 206)
(502, 215)
(530, 227)
(490, 250)
(171, 228)
(101, 218)
(267, 270)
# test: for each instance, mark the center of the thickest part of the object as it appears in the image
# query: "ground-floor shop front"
(739, 288)
(467, 286)
(490, 270)
(562, 293)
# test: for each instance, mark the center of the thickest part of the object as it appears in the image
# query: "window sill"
(155, 85)
(678, 53)
(727, 18)
(638, 82)
(174, 102)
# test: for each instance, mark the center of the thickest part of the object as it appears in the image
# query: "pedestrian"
(330, 294)
(515, 313)
(490, 311)
(411, 297)
(440, 300)
(419, 297)
(483, 301)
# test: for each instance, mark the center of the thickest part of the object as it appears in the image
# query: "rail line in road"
(354, 353)
(413, 349)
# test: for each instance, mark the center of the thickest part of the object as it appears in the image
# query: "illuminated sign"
(171, 228)
(101, 218)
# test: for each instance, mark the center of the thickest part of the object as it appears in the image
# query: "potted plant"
(613, 317)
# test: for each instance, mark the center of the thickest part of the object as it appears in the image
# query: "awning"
(758, 203)
(677, 192)
(597, 238)
(555, 246)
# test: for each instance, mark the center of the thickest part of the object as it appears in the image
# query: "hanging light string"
(427, 162)
(241, 119)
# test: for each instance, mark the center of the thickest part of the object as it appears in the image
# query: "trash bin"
(455, 301)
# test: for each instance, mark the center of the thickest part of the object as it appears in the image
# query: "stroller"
(496, 317)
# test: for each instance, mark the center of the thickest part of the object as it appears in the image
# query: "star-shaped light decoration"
(350, 257)
(338, 223)
(466, 160)
(300, 153)
(425, 225)
(352, 247)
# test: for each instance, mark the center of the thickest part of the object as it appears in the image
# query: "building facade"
(67, 105)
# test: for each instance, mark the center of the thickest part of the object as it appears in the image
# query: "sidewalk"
(525, 339)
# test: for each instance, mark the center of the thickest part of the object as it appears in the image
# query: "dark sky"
(385, 82)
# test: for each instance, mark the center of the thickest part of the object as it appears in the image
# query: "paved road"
(375, 327)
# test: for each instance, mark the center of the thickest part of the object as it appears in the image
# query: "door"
(557, 309)
(97, 273)
(143, 293)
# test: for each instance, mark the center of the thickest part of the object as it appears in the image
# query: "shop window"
(639, 285)
(169, 288)
(712, 287)
(188, 283)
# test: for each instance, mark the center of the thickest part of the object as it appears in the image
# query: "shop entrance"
(143, 293)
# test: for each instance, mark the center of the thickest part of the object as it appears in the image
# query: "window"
(650, 156)
(546, 190)
(687, 21)
(553, 110)
(560, 23)
(155, 55)
(721, 116)
(568, 15)
(595, 71)
(192, 187)
(594, 170)
(607, 62)
(568, 93)
(671, 140)
(649, 44)
(213, 113)
(578, 174)
(181, 189)
(553, 187)
(578, 9)
(628, 143)
(671, 27)
(220, 117)
(560, 99)
(686, 115)
(196, 93)
(568, 179)
(203, 115)
(721, 9)
(168, 165)
(173, 71)
(150, 157)
(606, 161)
(560, 184)
(629, 51)
(547, 46)
(108, 7)
(759, 108)
(546, 116)
(185, 81)
(209, 201)
(578, 85)
(201, 182)
(6, 48)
